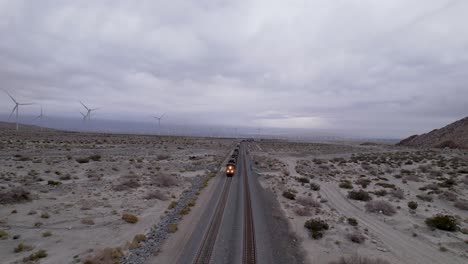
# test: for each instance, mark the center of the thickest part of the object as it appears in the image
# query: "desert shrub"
(356, 237)
(383, 207)
(314, 186)
(172, 228)
(316, 227)
(412, 205)
(359, 260)
(54, 183)
(95, 157)
(289, 195)
(22, 247)
(107, 255)
(465, 180)
(442, 222)
(447, 183)
(156, 194)
(303, 179)
(14, 195)
(165, 180)
(449, 196)
(45, 215)
(82, 160)
(35, 256)
(302, 211)
(308, 202)
(185, 210)
(172, 205)
(382, 192)
(386, 185)
(461, 204)
(345, 184)
(398, 193)
(3, 235)
(130, 218)
(87, 221)
(360, 195)
(127, 183)
(47, 234)
(424, 197)
(363, 182)
(162, 157)
(352, 221)
(448, 144)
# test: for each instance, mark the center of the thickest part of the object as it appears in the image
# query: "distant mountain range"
(454, 135)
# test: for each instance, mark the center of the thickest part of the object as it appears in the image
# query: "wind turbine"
(16, 108)
(40, 117)
(159, 121)
(87, 116)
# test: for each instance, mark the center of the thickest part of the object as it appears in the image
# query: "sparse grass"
(382, 207)
(3, 235)
(316, 227)
(36, 256)
(443, 222)
(45, 215)
(360, 195)
(22, 247)
(130, 218)
(185, 210)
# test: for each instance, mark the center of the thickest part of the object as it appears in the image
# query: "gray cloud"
(376, 68)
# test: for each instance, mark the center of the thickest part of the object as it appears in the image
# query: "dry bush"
(302, 211)
(163, 157)
(130, 218)
(308, 202)
(398, 193)
(462, 205)
(356, 237)
(126, 183)
(105, 256)
(383, 207)
(360, 195)
(14, 195)
(359, 260)
(164, 180)
(156, 194)
(87, 221)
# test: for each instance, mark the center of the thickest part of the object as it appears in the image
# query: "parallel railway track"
(205, 251)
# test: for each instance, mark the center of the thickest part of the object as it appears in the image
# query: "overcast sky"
(387, 68)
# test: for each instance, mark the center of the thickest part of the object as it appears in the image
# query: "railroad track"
(206, 248)
(248, 256)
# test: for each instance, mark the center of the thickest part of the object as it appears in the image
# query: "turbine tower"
(159, 121)
(16, 108)
(87, 116)
(40, 117)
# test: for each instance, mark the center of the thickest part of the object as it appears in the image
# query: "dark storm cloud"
(381, 68)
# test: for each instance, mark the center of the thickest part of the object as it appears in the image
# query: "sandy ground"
(54, 197)
(402, 237)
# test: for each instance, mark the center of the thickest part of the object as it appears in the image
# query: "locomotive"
(231, 165)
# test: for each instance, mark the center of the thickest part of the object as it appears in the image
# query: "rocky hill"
(454, 135)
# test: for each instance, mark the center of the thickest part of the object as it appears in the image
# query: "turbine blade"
(36, 118)
(10, 96)
(95, 108)
(84, 105)
(27, 104)
(14, 108)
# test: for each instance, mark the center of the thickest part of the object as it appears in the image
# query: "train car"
(230, 169)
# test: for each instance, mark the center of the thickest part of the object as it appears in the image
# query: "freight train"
(231, 165)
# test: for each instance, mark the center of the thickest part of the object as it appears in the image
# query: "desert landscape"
(90, 198)
(377, 201)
